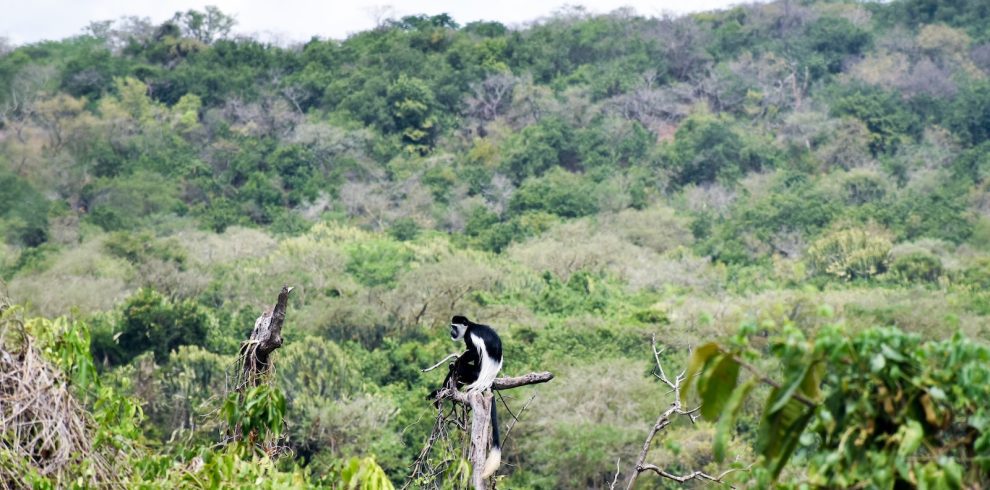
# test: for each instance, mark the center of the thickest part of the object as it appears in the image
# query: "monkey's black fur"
(479, 364)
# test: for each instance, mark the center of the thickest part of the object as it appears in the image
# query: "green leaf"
(891, 354)
(781, 430)
(727, 420)
(781, 397)
(699, 357)
(912, 434)
(811, 384)
(877, 363)
(719, 383)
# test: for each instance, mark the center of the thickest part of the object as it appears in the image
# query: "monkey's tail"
(494, 459)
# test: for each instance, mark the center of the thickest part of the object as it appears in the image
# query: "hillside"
(806, 175)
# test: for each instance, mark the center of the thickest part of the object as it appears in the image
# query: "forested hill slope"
(579, 183)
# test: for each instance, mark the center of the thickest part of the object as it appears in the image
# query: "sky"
(288, 21)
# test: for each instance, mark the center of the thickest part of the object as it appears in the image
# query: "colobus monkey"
(477, 369)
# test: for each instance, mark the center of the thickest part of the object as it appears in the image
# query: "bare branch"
(696, 475)
(526, 379)
(515, 418)
(445, 359)
(663, 421)
(615, 479)
(480, 407)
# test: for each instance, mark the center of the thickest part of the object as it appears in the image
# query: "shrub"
(917, 267)
(377, 262)
(23, 211)
(850, 254)
(558, 192)
(404, 229)
(150, 321)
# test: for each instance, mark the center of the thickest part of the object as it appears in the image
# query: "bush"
(850, 254)
(404, 229)
(558, 192)
(377, 262)
(23, 212)
(150, 321)
(917, 267)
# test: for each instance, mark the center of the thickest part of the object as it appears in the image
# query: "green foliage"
(157, 179)
(970, 116)
(150, 321)
(142, 247)
(412, 105)
(706, 149)
(258, 411)
(364, 474)
(850, 254)
(404, 229)
(830, 40)
(538, 148)
(889, 122)
(558, 192)
(377, 263)
(917, 267)
(120, 204)
(23, 211)
(874, 404)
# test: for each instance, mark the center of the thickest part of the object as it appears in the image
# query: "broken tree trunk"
(481, 406)
(254, 368)
(265, 338)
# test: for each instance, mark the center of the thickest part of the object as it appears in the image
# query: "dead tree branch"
(445, 359)
(666, 418)
(480, 405)
(255, 368)
(265, 338)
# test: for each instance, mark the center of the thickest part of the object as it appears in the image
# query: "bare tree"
(255, 367)
(20, 103)
(666, 418)
(490, 96)
(980, 55)
(653, 106)
(380, 14)
(684, 43)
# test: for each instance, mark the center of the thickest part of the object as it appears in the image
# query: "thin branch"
(445, 359)
(663, 421)
(516, 419)
(696, 475)
(615, 479)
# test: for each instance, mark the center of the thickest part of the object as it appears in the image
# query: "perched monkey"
(476, 369)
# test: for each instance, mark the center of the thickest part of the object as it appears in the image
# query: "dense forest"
(792, 197)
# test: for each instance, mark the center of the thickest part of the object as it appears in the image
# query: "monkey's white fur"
(492, 462)
(489, 370)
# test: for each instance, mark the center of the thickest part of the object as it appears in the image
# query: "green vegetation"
(803, 186)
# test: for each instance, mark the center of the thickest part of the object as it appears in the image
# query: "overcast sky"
(25, 21)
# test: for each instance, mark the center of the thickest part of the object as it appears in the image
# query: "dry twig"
(663, 421)
(42, 424)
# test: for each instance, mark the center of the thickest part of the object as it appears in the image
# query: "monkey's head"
(458, 326)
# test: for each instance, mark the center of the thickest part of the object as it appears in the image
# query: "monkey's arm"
(463, 370)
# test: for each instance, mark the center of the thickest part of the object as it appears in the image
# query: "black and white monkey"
(476, 369)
